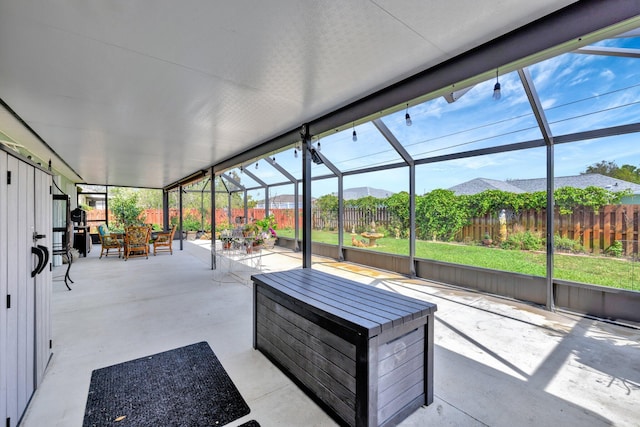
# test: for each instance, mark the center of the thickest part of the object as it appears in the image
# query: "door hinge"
(8, 421)
(8, 301)
(8, 177)
(50, 190)
(50, 344)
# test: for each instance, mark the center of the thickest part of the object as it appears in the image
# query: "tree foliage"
(440, 214)
(149, 198)
(398, 205)
(366, 202)
(123, 203)
(327, 203)
(628, 173)
(566, 198)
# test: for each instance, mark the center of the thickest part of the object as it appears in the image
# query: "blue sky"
(578, 92)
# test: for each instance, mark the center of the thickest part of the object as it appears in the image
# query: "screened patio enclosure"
(471, 166)
(571, 117)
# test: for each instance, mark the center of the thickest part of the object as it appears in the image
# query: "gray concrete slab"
(497, 362)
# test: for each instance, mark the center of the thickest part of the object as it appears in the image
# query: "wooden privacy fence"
(285, 218)
(151, 216)
(354, 218)
(594, 230)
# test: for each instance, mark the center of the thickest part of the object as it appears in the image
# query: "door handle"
(40, 254)
(45, 250)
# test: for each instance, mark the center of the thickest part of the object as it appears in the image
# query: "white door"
(25, 328)
(4, 352)
(20, 264)
(42, 285)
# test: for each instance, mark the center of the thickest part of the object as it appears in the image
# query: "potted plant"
(250, 229)
(191, 225)
(259, 240)
(226, 238)
(268, 226)
(486, 240)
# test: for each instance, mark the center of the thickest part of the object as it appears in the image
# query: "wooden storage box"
(364, 354)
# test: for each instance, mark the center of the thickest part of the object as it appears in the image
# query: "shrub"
(566, 244)
(440, 215)
(267, 222)
(615, 249)
(382, 229)
(223, 226)
(523, 240)
(190, 223)
(124, 206)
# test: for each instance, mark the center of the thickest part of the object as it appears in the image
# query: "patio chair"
(136, 241)
(164, 241)
(108, 241)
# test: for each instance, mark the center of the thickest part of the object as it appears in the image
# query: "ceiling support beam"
(212, 191)
(391, 138)
(543, 124)
(254, 177)
(306, 196)
(609, 51)
(232, 181)
(280, 169)
(180, 226)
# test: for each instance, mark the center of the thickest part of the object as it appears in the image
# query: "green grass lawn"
(597, 270)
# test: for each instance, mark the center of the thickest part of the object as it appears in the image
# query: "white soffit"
(144, 93)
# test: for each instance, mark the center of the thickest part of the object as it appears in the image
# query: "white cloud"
(607, 74)
(548, 103)
(476, 163)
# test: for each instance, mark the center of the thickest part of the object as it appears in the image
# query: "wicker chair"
(108, 241)
(136, 241)
(164, 241)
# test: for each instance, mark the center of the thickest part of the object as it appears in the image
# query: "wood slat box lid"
(364, 308)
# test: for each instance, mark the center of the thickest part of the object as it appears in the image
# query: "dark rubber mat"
(186, 386)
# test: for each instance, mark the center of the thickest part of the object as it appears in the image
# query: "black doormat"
(186, 386)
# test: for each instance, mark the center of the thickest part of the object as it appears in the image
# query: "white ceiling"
(146, 92)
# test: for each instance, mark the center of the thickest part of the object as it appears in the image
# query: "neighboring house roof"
(360, 192)
(577, 181)
(349, 194)
(282, 199)
(479, 185)
(286, 198)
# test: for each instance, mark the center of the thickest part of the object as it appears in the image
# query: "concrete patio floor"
(497, 362)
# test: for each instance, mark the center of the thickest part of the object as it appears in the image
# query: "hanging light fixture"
(274, 159)
(256, 165)
(355, 135)
(319, 147)
(295, 151)
(241, 169)
(496, 88)
(407, 117)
